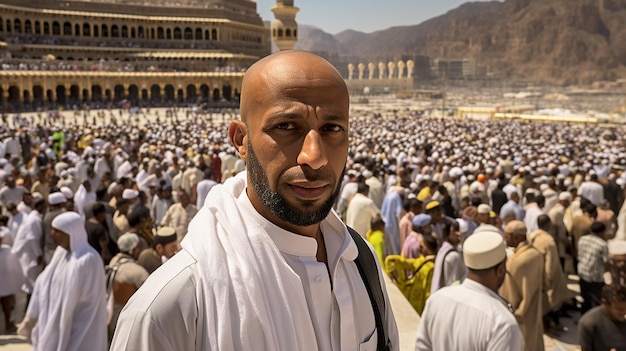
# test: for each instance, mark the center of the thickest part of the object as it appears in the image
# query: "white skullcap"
(127, 242)
(462, 225)
(483, 209)
(565, 196)
(484, 249)
(56, 198)
(130, 194)
(111, 188)
(67, 192)
(617, 247)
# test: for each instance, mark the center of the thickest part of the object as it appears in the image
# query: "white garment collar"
(299, 245)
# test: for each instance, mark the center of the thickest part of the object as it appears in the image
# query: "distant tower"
(285, 28)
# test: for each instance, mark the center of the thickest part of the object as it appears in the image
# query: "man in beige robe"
(554, 280)
(521, 287)
(557, 213)
(179, 215)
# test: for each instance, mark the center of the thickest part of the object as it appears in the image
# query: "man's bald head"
(286, 72)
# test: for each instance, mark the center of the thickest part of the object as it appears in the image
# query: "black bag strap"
(368, 270)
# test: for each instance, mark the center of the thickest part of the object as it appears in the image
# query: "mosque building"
(142, 51)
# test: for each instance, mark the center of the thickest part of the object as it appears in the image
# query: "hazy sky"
(334, 16)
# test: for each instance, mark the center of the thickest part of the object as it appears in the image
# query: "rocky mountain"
(544, 41)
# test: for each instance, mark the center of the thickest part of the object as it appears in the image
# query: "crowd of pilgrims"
(415, 188)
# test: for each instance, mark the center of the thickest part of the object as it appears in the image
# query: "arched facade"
(141, 54)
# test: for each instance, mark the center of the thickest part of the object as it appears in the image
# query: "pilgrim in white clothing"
(67, 311)
(240, 280)
(27, 247)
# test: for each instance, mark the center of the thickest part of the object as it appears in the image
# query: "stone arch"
(96, 93)
(198, 33)
(169, 93)
(105, 31)
(288, 32)
(119, 93)
(125, 31)
(38, 95)
(1, 24)
(140, 32)
(216, 94)
(280, 32)
(67, 28)
(177, 33)
(17, 25)
(96, 31)
(213, 34)
(133, 94)
(115, 31)
(180, 95)
(155, 92)
(85, 95)
(160, 33)
(60, 93)
(168, 33)
(28, 27)
(74, 94)
(49, 95)
(46, 28)
(86, 29)
(37, 27)
(8, 25)
(227, 91)
(14, 96)
(207, 36)
(204, 92)
(188, 34)
(191, 93)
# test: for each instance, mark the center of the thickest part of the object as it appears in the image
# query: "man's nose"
(312, 152)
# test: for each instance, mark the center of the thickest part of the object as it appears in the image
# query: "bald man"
(266, 264)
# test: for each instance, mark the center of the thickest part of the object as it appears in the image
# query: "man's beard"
(301, 216)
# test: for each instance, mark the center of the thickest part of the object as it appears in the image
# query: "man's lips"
(309, 190)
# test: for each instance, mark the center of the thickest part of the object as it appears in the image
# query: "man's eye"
(334, 128)
(285, 125)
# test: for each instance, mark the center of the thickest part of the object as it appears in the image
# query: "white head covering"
(485, 248)
(127, 242)
(56, 198)
(129, 194)
(72, 224)
(67, 192)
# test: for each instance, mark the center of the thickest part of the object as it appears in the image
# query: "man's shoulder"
(591, 318)
(167, 285)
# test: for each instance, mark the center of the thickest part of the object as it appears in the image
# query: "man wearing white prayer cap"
(617, 262)
(130, 195)
(129, 277)
(56, 206)
(490, 327)
(67, 310)
(69, 197)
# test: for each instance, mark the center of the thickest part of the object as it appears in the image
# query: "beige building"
(145, 51)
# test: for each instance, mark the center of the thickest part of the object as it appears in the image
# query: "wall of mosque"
(65, 56)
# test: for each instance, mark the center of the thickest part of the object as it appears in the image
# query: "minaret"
(285, 28)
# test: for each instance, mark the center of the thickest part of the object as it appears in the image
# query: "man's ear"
(238, 134)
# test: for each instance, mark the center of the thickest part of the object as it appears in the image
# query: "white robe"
(10, 271)
(27, 247)
(69, 298)
(231, 288)
(82, 198)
